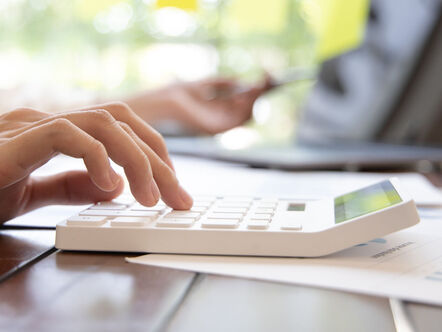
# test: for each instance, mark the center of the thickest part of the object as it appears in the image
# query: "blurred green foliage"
(71, 41)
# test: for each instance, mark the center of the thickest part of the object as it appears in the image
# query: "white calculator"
(238, 225)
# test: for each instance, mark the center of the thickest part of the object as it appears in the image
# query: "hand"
(197, 106)
(29, 138)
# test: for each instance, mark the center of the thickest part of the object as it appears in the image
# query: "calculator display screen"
(366, 200)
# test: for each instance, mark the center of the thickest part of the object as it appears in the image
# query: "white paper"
(405, 265)
(217, 178)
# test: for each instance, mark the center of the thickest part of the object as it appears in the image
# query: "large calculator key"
(109, 206)
(130, 221)
(86, 221)
(175, 222)
(242, 210)
(291, 225)
(118, 213)
(257, 224)
(220, 223)
(236, 216)
(183, 214)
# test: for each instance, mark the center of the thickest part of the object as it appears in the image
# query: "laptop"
(375, 107)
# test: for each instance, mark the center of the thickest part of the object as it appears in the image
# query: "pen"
(292, 76)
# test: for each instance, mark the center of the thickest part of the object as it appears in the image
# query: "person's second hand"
(293, 76)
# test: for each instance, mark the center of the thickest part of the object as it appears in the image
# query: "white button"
(139, 207)
(220, 223)
(124, 199)
(264, 210)
(183, 214)
(257, 224)
(130, 221)
(291, 225)
(86, 221)
(267, 205)
(201, 204)
(230, 210)
(198, 209)
(175, 222)
(223, 204)
(119, 213)
(108, 206)
(247, 199)
(261, 216)
(225, 216)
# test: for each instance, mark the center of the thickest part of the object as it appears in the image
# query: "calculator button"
(124, 199)
(264, 210)
(119, 213)
(201, 204)
(223, 204)
(130, 221)
(138, 207)
(268, 200)
(86, 221)
(230, 210)
(199, 209)
(183, 214)
(247, 199)
(267, 205)
(220, 223)
(225, 216)
(257, 224)
(175, 222)
(291, 225)
(109, 206)
(261, 216)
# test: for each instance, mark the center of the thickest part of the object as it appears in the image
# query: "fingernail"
(155, 191)
(114, 177)
(185, 197)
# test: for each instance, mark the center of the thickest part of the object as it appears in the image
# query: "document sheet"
(405, 265)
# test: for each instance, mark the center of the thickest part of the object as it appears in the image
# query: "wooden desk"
(67, 291)
(48, 290)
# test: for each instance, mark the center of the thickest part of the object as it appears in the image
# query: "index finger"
(122, 112)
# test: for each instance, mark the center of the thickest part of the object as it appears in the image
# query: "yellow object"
(190, 5)
(262, 16)
(339, 24)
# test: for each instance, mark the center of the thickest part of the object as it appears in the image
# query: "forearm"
(152, 106)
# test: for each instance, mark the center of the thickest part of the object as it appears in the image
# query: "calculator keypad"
(208, 212)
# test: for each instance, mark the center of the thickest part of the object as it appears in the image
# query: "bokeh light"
(117, 47)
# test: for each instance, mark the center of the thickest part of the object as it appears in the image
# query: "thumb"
(73, 187)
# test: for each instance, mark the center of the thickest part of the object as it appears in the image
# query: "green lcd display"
(369, 199)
